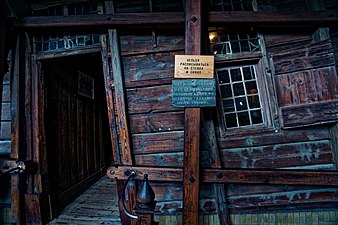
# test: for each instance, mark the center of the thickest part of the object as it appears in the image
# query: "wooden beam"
(231, 176)
(119, 98)
(192, 120)
(215, 162)
(270, 19)
(106, 61)
(103, 21)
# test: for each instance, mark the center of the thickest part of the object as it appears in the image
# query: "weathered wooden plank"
(274, 138)
(5, 148)
(240, 176)
(334, 142)
(286, 155)
(160, 160)
(142, 42)
(158, 142)
(215, 162)
(121, 119)
(15, 105)
(110, 102)
(192, 118)
(156, 122)
(306, 87)
(274, 43)
(148, 67)
(283, 198)
(5, 132)
(6, 93)
(310, 114)
(150, 99)
(302, 57)
(94, 21)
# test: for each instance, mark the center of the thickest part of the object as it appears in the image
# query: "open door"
(77, 135)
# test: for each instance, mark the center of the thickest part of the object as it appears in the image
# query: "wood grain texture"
(121, 119)
(240, 176)
(310, 114)
(156, 122)
(279, 155)
(106, 63)
(150, 100)
(158, 142)
(192, 126)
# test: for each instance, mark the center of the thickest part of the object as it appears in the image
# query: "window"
(241, 82)
(239, 96)
(231, 5)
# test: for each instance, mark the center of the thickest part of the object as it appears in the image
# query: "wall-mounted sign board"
(194, 93)
(194, 66)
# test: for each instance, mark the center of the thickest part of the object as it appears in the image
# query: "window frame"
(266, 91)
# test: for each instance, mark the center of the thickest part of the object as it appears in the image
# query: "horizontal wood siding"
(148, 69)
(305, 82)
(5, 123)
(304, 74)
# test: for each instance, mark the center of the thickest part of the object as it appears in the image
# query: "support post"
(191, 176)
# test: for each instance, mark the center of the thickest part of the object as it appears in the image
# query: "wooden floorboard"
(97, 205)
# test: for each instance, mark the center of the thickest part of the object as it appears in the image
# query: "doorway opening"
(76, 126)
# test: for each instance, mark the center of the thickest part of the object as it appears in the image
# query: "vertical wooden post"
(192, 121)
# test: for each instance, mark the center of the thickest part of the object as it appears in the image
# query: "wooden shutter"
(306, 83)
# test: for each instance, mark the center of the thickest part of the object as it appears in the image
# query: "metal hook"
(129, 214)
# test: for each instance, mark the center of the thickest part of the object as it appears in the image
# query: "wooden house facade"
(87, 91)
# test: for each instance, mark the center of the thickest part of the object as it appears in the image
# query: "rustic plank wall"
(305, 79)
(157, 128)
(5, 131)
(5, 147)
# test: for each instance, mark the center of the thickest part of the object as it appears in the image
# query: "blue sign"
(194, 93)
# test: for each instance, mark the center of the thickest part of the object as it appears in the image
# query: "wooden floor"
(97, 205)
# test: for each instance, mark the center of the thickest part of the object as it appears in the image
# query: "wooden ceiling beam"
(95, 21)
(269, 19)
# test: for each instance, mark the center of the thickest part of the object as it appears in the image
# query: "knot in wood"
(192, 179)
(193, 18)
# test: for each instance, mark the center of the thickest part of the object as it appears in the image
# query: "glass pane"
(251, 87)
(223, 76)
(228, 105)
(245, 46)
(254, 102)
(217, 49)
(248, 73)
(61, 44)
(45, 47)
(236, 74)
(53, 45)
(243, 119)
(230, 120)
(256, 117)
(226, 91)
(238, 89)
(241, 104)
(235, 47)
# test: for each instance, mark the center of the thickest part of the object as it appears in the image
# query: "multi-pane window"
(45, 43)
(240, 96)
(240, 80)
(223, 42)
(231, 5)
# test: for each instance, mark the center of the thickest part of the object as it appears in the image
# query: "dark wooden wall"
(304, 79)
(76, 127)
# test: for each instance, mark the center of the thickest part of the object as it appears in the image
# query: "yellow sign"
(194, 66)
